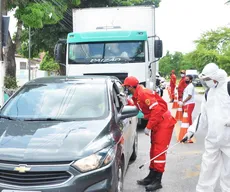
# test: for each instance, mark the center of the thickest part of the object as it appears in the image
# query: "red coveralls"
(160, 122)
(172, 85)
(181, 86)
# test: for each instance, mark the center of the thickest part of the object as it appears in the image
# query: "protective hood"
(212, 71)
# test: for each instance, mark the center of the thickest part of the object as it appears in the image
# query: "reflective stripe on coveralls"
(160, 122)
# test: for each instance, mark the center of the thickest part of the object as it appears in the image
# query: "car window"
(117, 100)
(60, 101)
(120, 87)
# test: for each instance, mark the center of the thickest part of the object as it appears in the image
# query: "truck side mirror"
(158, 48)
(59, 53)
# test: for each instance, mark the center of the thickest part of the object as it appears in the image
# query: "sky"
(180, 22)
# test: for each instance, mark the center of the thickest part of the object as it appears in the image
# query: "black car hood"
(27, 141)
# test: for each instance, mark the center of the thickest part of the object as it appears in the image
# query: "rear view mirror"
(60, 52)
(158, 48)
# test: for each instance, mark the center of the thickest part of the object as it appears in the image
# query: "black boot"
(149, 179)
(156, 184)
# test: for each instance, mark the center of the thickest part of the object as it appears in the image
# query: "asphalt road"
(183, 161)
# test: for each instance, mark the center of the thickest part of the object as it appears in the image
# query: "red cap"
(173, 71)
(131, 81)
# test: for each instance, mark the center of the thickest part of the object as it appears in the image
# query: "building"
(22, 70)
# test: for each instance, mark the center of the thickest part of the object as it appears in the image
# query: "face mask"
(129, 92)
(187, 82)
(182, 75)
(210, 83)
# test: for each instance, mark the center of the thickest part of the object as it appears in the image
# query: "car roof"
(83, 79)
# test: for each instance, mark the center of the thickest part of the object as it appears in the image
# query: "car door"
(130, 124)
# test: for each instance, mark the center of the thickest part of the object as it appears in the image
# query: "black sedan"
(67, 134)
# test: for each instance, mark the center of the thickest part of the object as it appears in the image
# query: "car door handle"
(130, 121)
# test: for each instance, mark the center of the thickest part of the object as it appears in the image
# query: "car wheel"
(120, 179)
(135, 149)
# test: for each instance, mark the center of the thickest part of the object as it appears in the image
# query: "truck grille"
(33, 178)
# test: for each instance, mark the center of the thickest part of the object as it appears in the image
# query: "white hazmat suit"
(215, 116)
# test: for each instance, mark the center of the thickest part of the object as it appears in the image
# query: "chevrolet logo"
(22, 168)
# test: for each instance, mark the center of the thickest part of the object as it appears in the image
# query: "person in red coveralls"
(181, 86)
(160, 125)
(172, 85)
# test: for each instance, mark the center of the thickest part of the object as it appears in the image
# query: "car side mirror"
(158, 48)
(129, 111)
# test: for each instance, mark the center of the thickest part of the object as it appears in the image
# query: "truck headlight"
(95, 161)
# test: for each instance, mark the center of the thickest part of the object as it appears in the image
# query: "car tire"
(120, 179)
(135, 149)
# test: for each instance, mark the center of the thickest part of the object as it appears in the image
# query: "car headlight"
(95, 161)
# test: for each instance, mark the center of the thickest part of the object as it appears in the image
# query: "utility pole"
(29, 52)
(2, 68)
(1, 58)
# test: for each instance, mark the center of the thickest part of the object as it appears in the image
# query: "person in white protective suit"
(215, 116)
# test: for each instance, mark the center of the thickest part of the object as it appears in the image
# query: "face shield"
(203, 83)
(218, 75)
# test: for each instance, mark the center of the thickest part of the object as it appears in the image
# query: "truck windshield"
(109, 52)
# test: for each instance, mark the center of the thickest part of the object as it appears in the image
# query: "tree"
(171, 62)
(104, 3)
(165, 64)
(213, 46)
(224, 61)
(48, 64)
(201, 56)
(35, 14)
(218, 40)
(187, 62)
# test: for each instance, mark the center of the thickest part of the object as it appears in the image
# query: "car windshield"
(54, 101)
(111, 52)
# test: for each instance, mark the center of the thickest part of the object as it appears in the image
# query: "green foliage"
(218, 40)
(36, 15)
(187, 62)
(165, 64)
(10, 82)
(212, 46)
(112, 3)
(48, 64)
(224, 61)
(201, 57)
(135, 2)
(41, 39)
(171, 62)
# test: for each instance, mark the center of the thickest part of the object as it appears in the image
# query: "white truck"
(117, 41)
